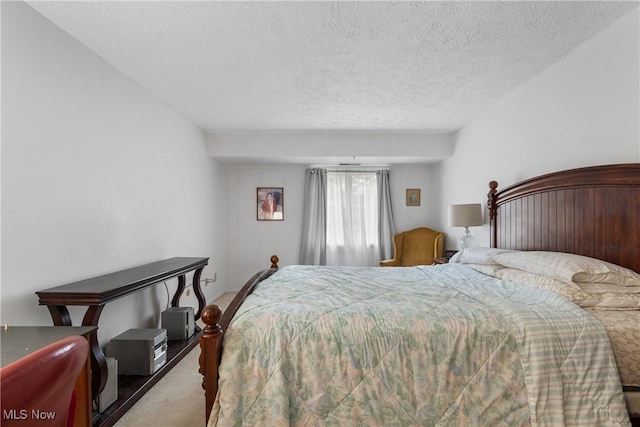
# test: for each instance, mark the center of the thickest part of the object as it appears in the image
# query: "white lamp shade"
(469, 215)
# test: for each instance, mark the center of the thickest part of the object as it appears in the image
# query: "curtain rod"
(349, 168)
(353, 170)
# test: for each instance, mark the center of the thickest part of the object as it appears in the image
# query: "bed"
(525, 332)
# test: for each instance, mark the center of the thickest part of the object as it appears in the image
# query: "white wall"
(97, 176)
(330, 147)
(414, 176)
(582, 111)
(251, 243)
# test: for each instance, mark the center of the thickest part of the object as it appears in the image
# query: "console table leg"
(198, 292)
(60, 315)
(175, 302)
(99, 370)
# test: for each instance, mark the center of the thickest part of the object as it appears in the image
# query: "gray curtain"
(314, 222)
(386, 227)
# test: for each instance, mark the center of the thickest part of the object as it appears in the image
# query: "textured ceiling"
(376, 66)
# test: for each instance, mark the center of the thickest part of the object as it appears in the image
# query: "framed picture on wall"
(413, 197)
(270, 204)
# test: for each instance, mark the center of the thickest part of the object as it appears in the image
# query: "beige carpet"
(177, 400)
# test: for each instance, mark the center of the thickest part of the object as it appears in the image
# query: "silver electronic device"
(179, 322)
(110, 392)
(139, 351)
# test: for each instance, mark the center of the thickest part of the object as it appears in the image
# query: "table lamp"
(468, 215)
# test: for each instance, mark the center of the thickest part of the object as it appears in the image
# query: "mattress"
(622, 327)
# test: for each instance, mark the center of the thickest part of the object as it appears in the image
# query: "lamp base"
(465, 239)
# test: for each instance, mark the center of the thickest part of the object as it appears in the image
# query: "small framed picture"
(270, 204)
(413, 197)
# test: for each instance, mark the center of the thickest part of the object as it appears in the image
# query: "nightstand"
(440, 260)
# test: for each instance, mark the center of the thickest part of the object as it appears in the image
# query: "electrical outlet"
(215, 277)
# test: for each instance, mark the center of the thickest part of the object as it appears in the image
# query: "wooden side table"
(19, 341)
(440, 260)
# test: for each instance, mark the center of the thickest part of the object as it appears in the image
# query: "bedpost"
(491, 204)
(210, 350)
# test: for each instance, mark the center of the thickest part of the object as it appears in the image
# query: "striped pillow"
(569, 268)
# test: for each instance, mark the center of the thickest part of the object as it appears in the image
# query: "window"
(352, 218)
(347, 218)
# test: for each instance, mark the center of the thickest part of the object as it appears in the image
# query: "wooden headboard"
(592, 211)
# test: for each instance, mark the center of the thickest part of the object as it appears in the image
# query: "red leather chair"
(37, 390)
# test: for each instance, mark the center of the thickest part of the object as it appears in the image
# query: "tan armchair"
(415, 247)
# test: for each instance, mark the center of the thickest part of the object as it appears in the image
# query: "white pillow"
(607, 288)
(569, 268)
(629, 278)
(477, 255)
(597, 301)
(572, 293)
(613, 302)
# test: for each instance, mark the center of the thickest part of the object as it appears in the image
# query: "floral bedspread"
(413, 346)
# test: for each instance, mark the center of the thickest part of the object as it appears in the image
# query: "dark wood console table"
(96, 292)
